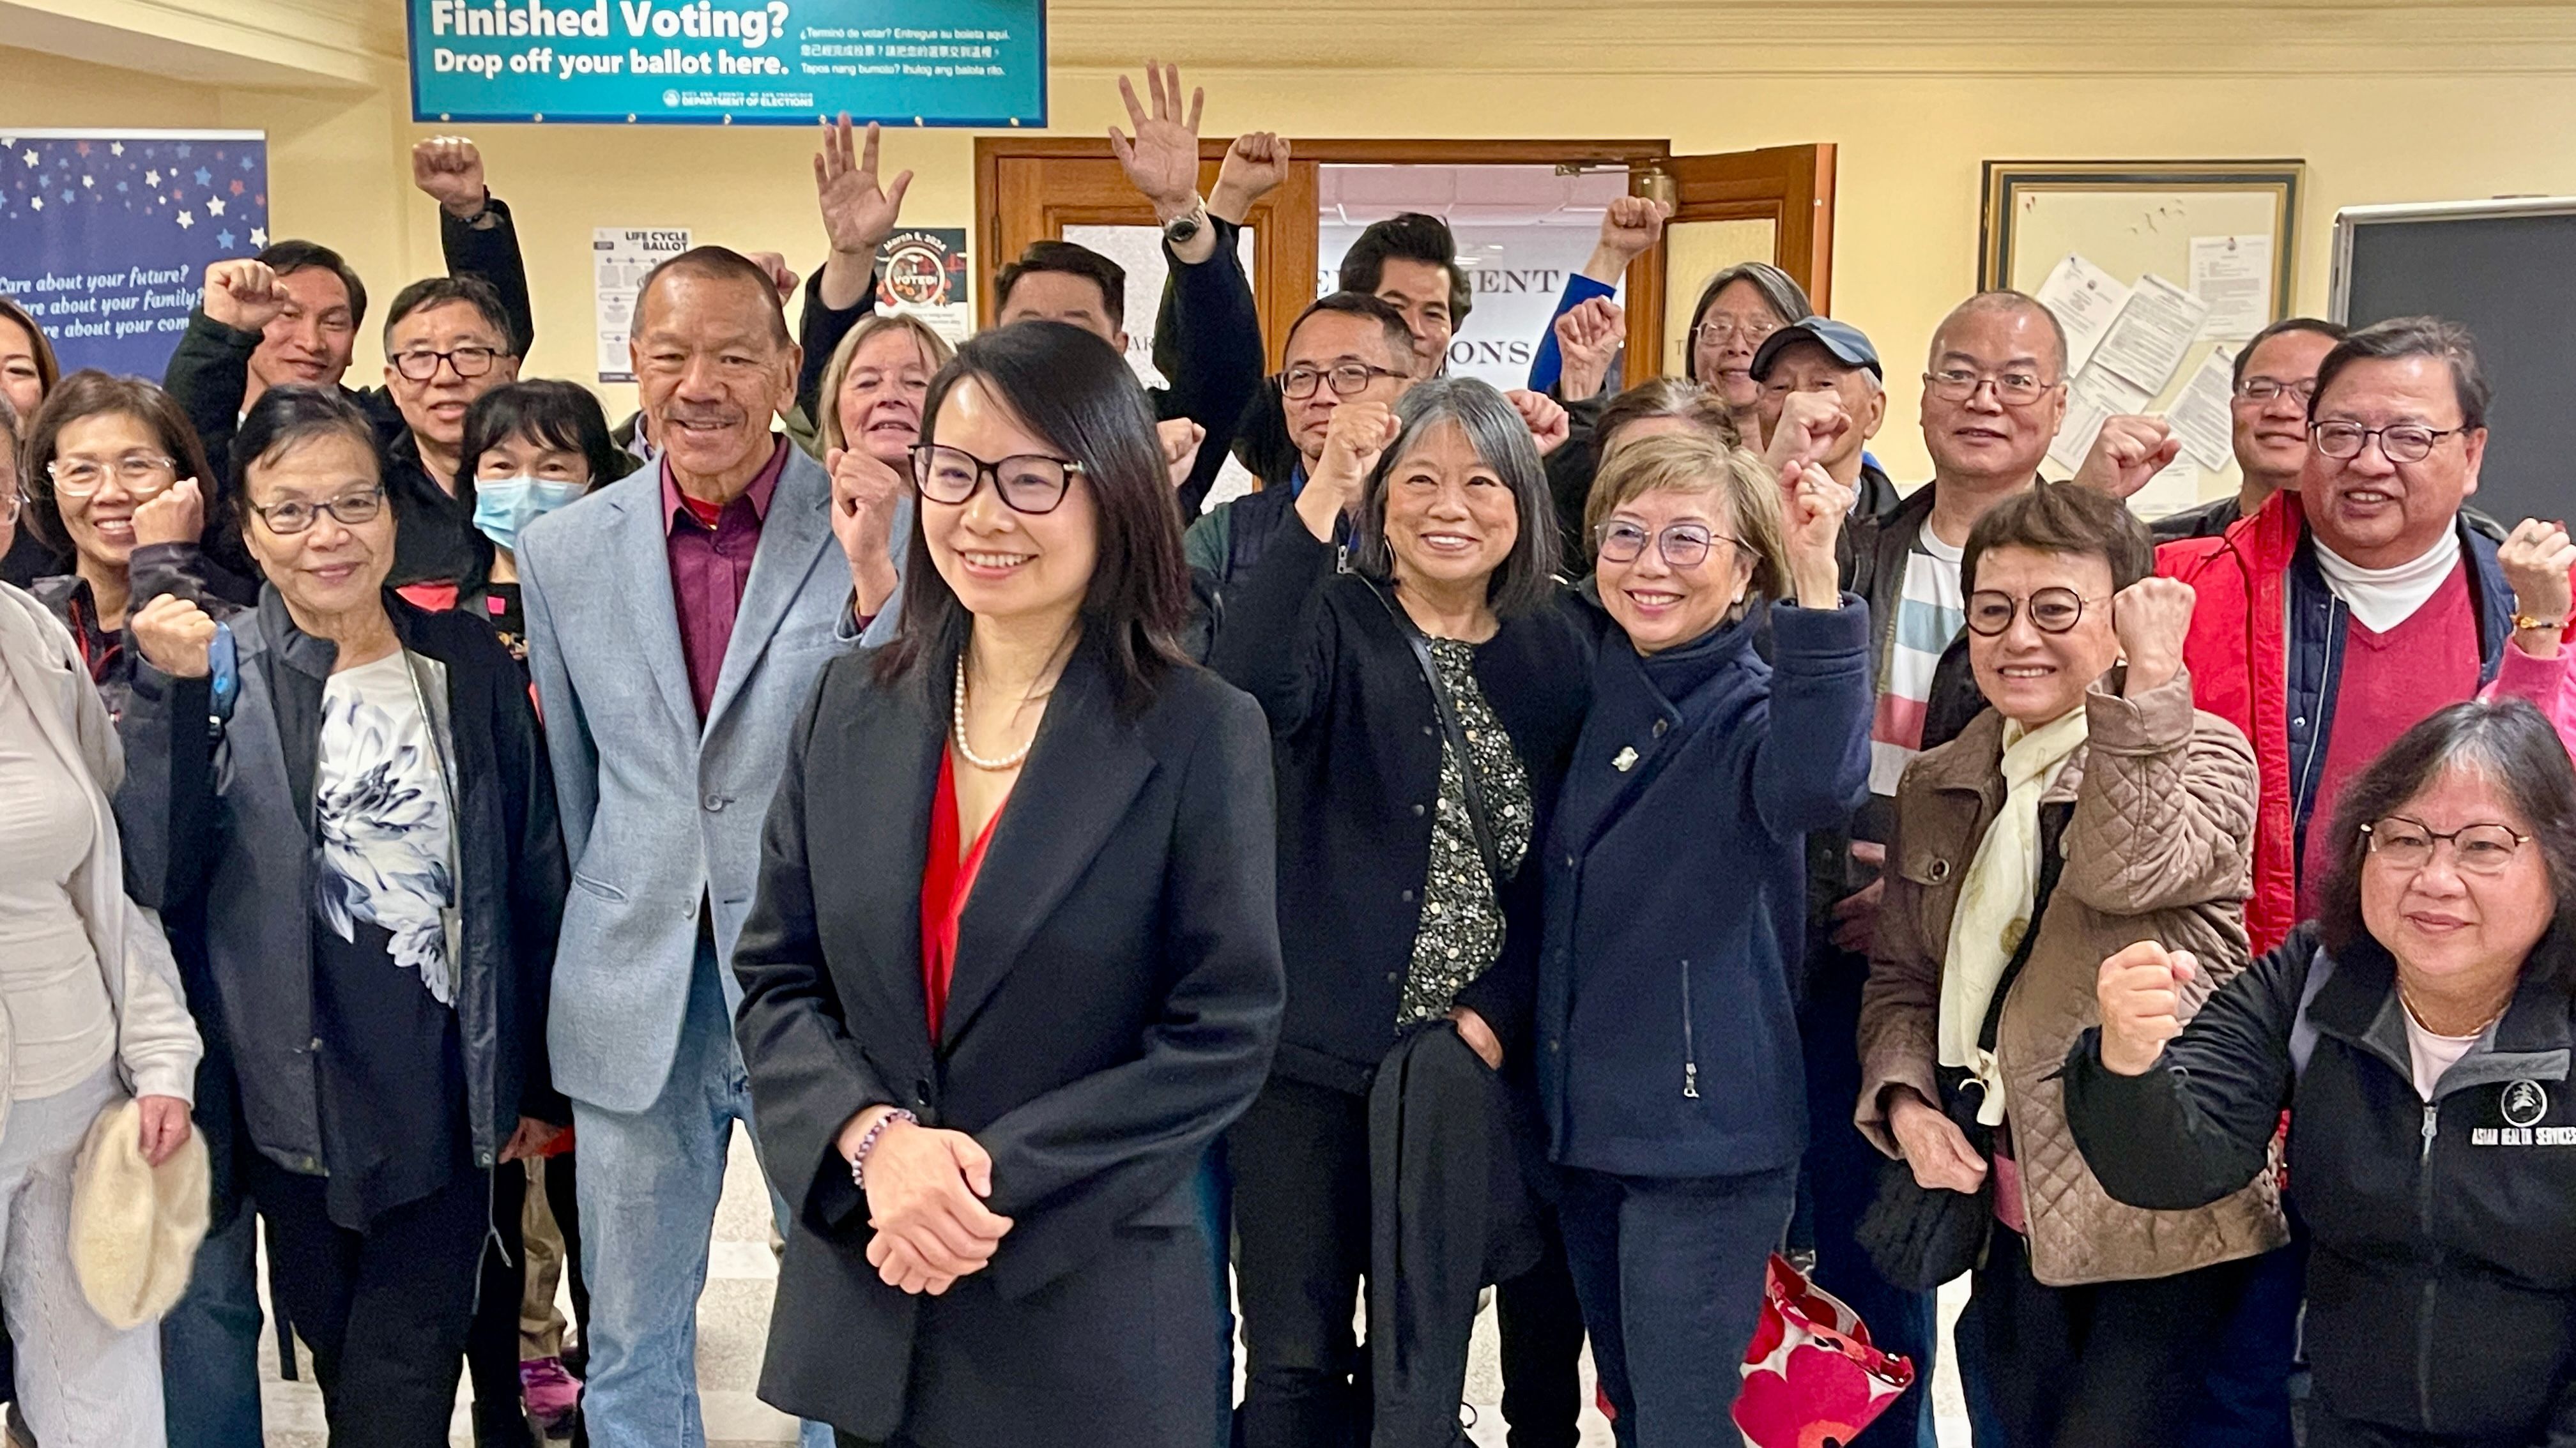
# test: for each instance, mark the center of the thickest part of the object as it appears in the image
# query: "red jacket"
(2242, 670)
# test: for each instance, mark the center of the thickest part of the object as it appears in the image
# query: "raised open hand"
(1163, 159)
(858, 213)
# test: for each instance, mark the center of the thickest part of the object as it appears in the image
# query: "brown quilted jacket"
(2159, 848)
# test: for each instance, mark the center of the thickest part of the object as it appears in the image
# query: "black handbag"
(1920, 1237)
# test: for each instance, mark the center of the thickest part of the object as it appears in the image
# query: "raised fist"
(1631, 225)
(2140, 992)
(174, 635)
(243, 295)
(1180, 438)
(1254, 167)
(1548, 422)
(177, 514)
(450, 170)
(1587, 337)
(1359, 434)
(2130, 450)
(2152, 618)
(1810, 422)
(2536, 558)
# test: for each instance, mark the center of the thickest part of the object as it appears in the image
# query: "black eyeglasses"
(1347, 379)
(348, 510)
(2264, 389)
(1025, 482)
(2012, 389)
(1683, 545)
(2407, 845)
(2404, 443)
(464, 361)
(2052, 610)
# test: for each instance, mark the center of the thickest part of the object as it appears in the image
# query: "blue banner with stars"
(106, 235)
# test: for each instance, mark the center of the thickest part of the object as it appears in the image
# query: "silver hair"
(1496, 433)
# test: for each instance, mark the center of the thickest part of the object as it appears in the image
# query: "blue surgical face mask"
(505, 506)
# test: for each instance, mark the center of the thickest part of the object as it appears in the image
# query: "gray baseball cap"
(1842, 341)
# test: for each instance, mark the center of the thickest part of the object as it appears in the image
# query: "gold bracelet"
(2524, 621)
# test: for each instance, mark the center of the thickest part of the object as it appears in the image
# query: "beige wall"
(1912, 137)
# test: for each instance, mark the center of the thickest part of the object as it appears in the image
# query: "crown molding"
(274, 44)
(1828, 38)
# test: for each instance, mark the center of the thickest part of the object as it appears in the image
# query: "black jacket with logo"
(2442, 1275)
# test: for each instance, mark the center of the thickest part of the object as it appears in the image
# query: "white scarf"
(1997, 898)
(2383, 598)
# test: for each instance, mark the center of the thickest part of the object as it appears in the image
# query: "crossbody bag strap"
(1477, 817)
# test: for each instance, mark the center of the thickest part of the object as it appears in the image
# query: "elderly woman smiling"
(1668, 1053)
(2087, 808)
(369, 835)
(2418, 1031)
(1423, 692)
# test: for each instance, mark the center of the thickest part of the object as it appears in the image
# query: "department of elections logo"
(2525, 1103)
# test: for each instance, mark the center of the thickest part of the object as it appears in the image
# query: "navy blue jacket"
(1676, 893)
(1356, 746)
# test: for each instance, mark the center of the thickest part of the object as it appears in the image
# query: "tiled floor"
(733, 1320)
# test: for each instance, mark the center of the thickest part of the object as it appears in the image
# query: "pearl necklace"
(957, 730)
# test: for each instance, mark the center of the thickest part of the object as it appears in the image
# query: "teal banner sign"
(730, 62)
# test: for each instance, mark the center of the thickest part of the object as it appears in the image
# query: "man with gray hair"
(1823, 397)
(676, 622)
(1994, 392)
(2341, 612)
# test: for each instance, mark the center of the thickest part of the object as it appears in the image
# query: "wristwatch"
(1182, 230)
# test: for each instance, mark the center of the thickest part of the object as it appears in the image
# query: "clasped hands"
(925, 1191)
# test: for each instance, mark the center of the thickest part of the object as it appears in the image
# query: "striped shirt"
(1928, 616)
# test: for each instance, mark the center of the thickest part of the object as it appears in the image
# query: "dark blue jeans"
(1842, 1171)
(210, 1344)
(1669, 1272)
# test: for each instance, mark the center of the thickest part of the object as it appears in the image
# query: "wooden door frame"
(1792, 186)
(1635, 157)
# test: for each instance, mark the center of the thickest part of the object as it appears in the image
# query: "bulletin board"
(2219, 235)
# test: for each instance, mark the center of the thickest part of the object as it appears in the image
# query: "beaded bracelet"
(867, 1143)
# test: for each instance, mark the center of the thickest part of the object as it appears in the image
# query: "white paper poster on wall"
(2234, 275)
(620, 256)
(2156, 326)
(2175, 488)
(2202, 414)
(2095, 396)
(2085, 298)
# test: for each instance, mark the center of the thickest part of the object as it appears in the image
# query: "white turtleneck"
(2383, 598)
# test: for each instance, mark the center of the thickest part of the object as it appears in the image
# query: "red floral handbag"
(1811, 1377)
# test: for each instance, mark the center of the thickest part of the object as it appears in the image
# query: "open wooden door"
(1774, 205)
(1029, 189)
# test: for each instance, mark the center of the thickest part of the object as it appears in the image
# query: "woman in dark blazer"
(986, 1099)
(1668, 1051)
(1391, 919)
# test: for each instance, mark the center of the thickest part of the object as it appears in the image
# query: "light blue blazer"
(662, 815)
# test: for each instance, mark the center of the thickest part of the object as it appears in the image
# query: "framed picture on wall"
(2036, 212)
(2158, 272)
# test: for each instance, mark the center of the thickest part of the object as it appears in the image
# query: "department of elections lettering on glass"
(730, 62)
